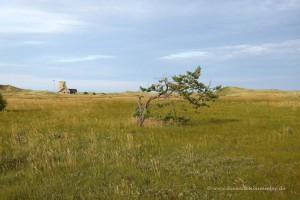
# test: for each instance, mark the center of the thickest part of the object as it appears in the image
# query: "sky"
(119, 45)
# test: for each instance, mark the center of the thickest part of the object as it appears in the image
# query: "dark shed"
(73, 91)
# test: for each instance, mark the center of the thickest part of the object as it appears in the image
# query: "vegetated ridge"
(10, 88)
(237, 91)
(225, 91)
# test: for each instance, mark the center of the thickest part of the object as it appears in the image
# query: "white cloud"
(33, 42)
(11, 43)
(12, 65)
(16, 20)
(59, 16)
(281, 5)
(252, 49)
(80, 59)
(132, 9)
(187, 55)
(289, 47)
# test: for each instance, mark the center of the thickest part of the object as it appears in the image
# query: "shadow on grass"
(9, 162)
(22, 111)
(222, 121)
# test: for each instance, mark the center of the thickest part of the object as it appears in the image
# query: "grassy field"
(55, 146)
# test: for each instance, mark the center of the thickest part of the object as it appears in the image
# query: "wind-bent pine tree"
(185, 86)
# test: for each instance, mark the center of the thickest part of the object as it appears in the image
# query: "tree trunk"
(141, 121)
(142, 108)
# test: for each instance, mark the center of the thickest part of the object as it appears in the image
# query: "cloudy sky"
(118, 45)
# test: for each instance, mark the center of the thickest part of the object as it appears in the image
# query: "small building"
(62, 88)
(72, 91)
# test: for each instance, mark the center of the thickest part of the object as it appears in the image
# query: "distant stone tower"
(62, 87)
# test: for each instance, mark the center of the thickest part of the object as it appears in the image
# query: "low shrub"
(3, 103)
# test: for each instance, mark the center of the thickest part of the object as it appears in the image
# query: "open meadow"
(60, 146)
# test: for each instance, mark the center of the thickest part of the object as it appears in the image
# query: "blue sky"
(118, 45)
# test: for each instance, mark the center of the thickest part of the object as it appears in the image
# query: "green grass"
(88, 147)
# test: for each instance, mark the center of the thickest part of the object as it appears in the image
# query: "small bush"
(3, 103)
(85, 93)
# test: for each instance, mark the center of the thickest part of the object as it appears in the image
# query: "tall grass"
(88, 147)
